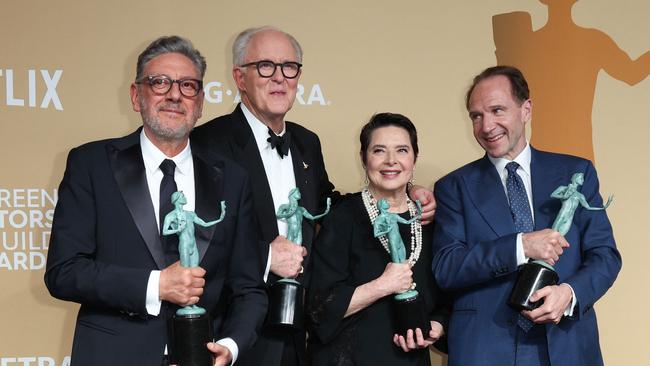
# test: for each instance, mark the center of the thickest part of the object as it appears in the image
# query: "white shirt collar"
(260, 130)
(153, 156)
(523, 159)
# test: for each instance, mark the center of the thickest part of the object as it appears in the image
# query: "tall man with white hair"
(279, 155)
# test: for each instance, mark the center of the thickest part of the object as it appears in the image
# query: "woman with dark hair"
(354, 280)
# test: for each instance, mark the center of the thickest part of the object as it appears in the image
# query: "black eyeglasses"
(161, 84)
(266, 68)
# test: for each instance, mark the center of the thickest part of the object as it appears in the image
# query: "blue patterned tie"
(519, 206)
(521, 217)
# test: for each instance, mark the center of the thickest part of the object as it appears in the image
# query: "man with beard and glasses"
(107, 252)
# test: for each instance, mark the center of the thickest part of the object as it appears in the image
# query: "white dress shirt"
(184, 177)
(279, 171)
(523, 159)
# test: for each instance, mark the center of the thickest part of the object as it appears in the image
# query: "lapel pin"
(305, 165)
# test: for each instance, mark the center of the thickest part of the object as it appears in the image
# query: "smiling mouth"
(389, 173)
(494, 138)
(173, 111)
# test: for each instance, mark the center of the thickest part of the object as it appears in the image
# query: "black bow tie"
(280, 143)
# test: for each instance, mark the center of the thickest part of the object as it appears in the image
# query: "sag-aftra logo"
(217, 92)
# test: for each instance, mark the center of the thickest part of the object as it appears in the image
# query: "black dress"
(347, 255)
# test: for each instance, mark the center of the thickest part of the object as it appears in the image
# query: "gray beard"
(162, 132)
(166, 133)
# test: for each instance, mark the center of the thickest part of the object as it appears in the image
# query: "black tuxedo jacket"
(231, 136)
(105, 242)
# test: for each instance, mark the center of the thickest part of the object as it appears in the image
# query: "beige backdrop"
(66, 67)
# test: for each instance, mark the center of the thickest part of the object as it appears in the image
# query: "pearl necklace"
(416, 227)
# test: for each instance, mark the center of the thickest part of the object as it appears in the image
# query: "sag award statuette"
(409, 308)
(537, 274)
(191, 325)
(287, 296)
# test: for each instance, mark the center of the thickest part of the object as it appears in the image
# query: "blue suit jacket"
(474, 241)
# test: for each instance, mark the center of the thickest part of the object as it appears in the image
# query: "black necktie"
(521, 217)
(167, 187)
(280, 143)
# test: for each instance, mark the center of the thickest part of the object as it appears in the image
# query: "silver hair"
(240, 46)
(170, 44)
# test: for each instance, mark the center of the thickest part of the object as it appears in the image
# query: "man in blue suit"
(479, 241)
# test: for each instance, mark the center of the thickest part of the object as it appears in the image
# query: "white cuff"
(521, 257)
(569, 310)
(232, 347)
(268, 266)
(153, 299)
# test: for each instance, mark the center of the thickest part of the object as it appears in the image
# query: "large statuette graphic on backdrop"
(408, 305)
(191, 327)
(287, 296)
(537, 274)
